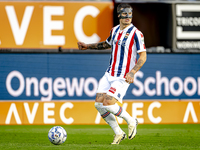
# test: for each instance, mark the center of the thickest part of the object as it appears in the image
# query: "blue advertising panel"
(75, 76)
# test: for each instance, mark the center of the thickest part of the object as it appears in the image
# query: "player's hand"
(129, 77)
(82, 46)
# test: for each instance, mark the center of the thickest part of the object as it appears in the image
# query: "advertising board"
(187, 28)
(77, 112)
(49, 25)
(46, 77)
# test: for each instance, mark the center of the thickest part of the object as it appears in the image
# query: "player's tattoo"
(138, 65)
(107, 97)
(131, 74)
(99, 95)
(99, 46)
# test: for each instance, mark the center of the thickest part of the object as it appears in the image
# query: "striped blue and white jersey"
(125, 45)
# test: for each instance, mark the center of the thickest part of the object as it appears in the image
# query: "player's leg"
(110, 119)
(116, 93)
(107, 116)
(111, 106)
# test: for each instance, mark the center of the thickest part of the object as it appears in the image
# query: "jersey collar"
(125, 29)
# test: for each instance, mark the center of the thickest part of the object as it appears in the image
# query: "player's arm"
(142, 59)
(99, 46)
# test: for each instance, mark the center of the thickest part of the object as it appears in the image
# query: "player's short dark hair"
(123, 5)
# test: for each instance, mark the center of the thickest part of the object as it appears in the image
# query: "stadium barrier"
(60, 88)
(53, 89)
(84, 112)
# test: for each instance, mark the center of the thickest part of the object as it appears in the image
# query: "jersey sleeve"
(109, 39)
(139, 41)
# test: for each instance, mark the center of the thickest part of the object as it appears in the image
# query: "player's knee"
(109, 100)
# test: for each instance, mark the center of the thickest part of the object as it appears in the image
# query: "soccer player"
(126, 41)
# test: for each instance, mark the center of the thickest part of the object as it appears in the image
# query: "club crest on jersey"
(112, 90)
(127, 34)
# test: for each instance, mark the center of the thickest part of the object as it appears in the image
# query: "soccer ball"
(57, 135)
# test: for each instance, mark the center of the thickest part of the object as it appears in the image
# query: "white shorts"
(113, 86)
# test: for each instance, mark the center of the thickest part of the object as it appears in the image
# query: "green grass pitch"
(93, 137)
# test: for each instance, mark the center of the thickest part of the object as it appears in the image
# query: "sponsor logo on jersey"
(112, 90)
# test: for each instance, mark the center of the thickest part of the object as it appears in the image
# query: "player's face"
(125, 16)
